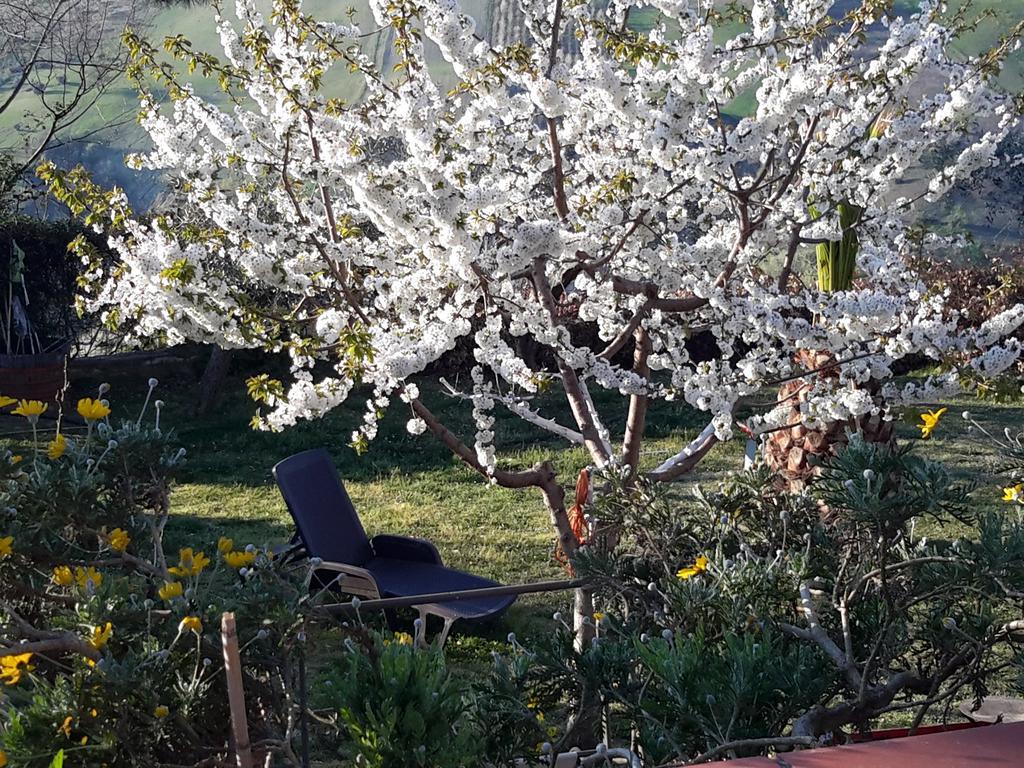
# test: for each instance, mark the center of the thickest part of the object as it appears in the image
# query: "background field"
(113, 132)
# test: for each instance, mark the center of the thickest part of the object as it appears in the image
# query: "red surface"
(899, 733)
(995, 746)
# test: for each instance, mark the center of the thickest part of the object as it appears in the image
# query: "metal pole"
(456, 595)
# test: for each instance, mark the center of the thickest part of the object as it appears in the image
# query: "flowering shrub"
(745, 617)
(110, 649)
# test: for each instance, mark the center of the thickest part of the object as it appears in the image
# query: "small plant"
(400, 705)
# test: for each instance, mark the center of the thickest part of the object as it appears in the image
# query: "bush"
(51, 275)
(743, 617)
(110, 652)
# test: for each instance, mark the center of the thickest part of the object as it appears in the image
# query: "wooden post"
(236, 695)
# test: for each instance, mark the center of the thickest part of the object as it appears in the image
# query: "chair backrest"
(328, 523)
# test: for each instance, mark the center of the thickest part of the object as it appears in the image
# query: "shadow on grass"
(224, 449)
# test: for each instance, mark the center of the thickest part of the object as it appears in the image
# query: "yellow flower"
(5, 546)
(598, 615)
(66, 727)
(56, 447)
(62, 576)
(189, 563)
(170, 590)
(5, 401)
(119, 540)
(92, 410)
(14, 666)
(225, 545)
(161, 711)
(929, 421)
(239, 559)
(3, 758)
(191, 623)
(698, 567)
(100, 636)
(1012, 493)
(30, 409)
(16, 459)
(85, 575)
(403, 638)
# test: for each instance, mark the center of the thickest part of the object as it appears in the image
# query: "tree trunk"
(583, 609)
(212, 381)
(796, 452)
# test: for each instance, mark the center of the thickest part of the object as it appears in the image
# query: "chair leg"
(441, 638)
(420, 639)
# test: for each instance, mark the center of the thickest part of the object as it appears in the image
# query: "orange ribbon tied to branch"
(577, 520)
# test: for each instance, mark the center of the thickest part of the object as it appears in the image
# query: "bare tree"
(57, 58)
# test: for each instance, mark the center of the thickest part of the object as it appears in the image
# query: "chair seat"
(406, 578)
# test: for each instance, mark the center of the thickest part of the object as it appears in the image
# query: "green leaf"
(414, 724)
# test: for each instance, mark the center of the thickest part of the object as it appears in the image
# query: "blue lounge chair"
(384, 566)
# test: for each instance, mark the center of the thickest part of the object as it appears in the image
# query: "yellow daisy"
(30, 409)
(101, 635)
(929, 421)
(697, 568)
(239, 559)
(170, 590)
(92, 410)
(119, 540)
(56, 447)
(14, 666)
(62, 576)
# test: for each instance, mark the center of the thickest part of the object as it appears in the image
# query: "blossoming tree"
(589, 174)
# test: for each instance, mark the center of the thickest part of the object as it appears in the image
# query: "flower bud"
(152, 383)
(666, 634)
